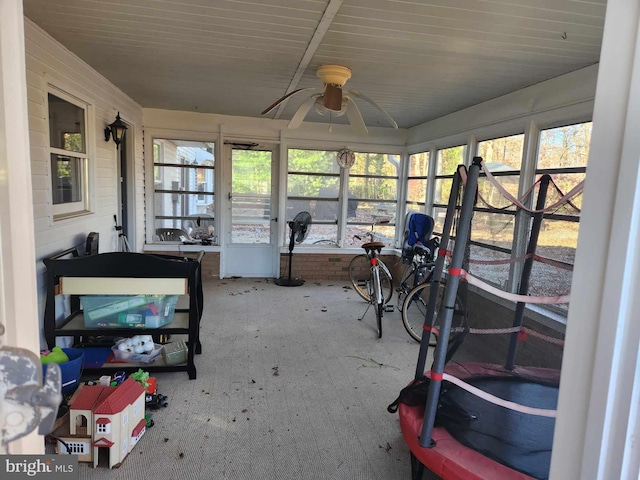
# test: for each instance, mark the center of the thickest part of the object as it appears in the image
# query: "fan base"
(289, 282)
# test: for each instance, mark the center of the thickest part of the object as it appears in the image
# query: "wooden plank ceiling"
(418, 59)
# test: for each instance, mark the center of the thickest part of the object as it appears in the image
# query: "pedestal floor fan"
(299, 227)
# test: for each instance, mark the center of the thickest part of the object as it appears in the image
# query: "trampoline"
(463, 450)
(480, 421)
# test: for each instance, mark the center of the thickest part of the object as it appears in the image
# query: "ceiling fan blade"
(280, 100)
(332, 97)
(364, 97)
(355, 118)
(302, 111)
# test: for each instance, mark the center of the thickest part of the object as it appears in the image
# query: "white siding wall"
(48, 62)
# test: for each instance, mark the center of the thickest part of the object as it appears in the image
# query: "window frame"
(421, 205)
(394, 220)
(66, 210)
(440, 177)
(318, 198)
(570, 170)
(511, 251)
(159, 177)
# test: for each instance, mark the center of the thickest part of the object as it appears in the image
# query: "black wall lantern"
(116, 130)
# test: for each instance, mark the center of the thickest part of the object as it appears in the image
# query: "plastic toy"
(105, 423)
(142, 378)
(118, 378)
(156, 401)
(56, 355)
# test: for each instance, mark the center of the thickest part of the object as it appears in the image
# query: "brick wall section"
(322, 266)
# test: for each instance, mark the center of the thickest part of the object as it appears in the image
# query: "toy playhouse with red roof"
(105, 423)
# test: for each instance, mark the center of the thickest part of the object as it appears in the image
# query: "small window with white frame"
(68, 155)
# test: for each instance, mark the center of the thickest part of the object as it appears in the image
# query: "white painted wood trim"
(598, 406)
(123, 286)
(18, 297)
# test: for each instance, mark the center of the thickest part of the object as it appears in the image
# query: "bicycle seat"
(373, 245)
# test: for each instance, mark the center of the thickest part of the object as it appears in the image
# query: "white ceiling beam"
(321, 31)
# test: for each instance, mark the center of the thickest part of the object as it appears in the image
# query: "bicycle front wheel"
(360, 276)
(414, 309)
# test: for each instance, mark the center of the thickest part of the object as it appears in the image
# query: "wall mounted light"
(116, 130)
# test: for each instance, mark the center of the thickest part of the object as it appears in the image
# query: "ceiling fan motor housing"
(332, 98)
(333, 77)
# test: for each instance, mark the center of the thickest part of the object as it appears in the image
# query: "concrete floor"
(290, 386)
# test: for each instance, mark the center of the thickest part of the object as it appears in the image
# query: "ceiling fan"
(332, 98)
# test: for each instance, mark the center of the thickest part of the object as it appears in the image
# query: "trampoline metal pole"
(449, 300)
(437, 271)
(523, 289)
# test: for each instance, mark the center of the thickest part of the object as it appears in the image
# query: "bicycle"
(376, 297)
(414, 310)
(326, 241)
(419, 270)
(360, 274)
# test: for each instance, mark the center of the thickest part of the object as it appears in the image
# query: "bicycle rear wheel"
(414, 309)
(360, 276)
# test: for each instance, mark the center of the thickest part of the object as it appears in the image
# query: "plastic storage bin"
(128, 311)
(175, 353)
(132, 357)
(70, 370)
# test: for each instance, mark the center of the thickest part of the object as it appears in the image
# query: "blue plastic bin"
(70, 370)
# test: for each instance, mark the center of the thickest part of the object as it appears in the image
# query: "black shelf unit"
(186, 321)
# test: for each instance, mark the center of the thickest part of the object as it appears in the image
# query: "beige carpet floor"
(290, 385)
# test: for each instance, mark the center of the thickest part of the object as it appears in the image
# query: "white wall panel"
(49, 62)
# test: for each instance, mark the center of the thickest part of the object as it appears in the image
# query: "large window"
(68, 155)
(373, 190)
(492, 232)
(447, 161)
(184, 190)
(563, 153)
(417, 182)
(313, 185)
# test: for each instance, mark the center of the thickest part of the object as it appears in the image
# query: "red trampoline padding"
(449, 459)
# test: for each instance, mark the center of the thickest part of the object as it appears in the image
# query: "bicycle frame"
(376, 298)
(422, 271)
(375, 274)
(382, 265)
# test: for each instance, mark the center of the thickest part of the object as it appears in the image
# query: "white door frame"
(265, 258)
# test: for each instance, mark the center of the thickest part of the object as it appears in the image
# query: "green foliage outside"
(251, 172)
